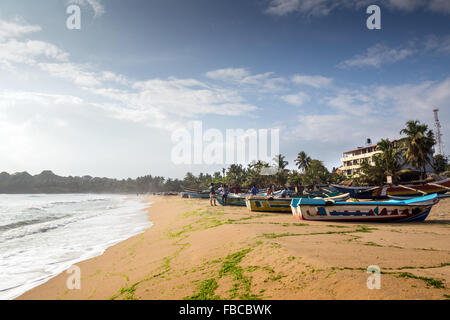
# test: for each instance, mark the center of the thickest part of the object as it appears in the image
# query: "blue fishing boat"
(416, 209)
(194, 195)
(232, 200)
(384, 192)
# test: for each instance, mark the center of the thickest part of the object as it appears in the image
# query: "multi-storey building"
(352, 159)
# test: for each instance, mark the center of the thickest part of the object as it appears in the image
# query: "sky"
(106, 99)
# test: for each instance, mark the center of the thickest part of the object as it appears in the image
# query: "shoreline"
(62, 265)
(200, 252)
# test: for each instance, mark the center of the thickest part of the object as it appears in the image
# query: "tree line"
(416, 149)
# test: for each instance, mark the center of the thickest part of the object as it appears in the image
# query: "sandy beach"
(195, 251)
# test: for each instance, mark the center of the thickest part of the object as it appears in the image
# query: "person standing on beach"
(212, 195)
(284, 192)
(224, 194)
(254, 190)
(269, 192)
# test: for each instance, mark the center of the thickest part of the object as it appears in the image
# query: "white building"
(352, 159)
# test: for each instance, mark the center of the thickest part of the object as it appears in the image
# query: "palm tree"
(281, 163)
(389, 158)
(417, 145)
(281, 177)
(316, 173)
(303, 161)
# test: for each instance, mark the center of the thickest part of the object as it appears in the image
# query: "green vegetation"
(438, 284)
(418, 145)
(206, 291)
(373, 244)
(440, 163)
(242, 283)
(288, 234)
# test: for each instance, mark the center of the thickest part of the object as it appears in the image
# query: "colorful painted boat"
(192, 195)
(440, 196)
(282, 205)
(232, 200)
(268, 204)
(411, 190)
(416, 209)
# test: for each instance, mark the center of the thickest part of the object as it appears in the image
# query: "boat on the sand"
(282, 205)
(416, 209)
(384, 192)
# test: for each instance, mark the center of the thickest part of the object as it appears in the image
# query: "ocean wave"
(23, 223)
(42, 237)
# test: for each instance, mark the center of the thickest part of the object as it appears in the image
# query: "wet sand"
(195, 251)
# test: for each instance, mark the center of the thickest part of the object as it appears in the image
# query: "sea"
(42, 235)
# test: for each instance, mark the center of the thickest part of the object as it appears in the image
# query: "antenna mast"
(437, 126)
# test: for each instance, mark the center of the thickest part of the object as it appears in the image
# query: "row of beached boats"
(340, 203)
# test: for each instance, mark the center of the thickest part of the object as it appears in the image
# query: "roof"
(361, 148)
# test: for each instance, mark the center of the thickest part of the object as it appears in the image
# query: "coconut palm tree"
(417, 145)
(280, 162)
(303, 161)
(281, 176)
(389, 158)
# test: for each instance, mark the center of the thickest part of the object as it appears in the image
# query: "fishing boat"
(232, 200)
(193, 195)
(410, 190)
(282, 205)
(416, 209)
(440, 196)
(268, 204)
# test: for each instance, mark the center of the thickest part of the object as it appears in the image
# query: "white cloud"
(377, 55)
(228, 74)
(96, 5)
(317, 8)
(438, 45)
(353, 103)
(13, 51)
(376, 112)
(71, 72)
(161, 103)
(380, 54)
(240, 76)
(165, 103)
(296, 99)
(313, 81)
(282, 7)
(16, 29)
(439, 6)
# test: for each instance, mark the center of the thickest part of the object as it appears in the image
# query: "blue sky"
(104, 100)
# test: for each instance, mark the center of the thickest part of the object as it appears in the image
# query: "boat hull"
(395, 191)
(232, 201)
(197, 196)
(413, 210)
(263, 204)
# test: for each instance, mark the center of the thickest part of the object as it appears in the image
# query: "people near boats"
(212, 195)
(235, 190)
(269, 192)
(283, 192)
(254, 190)
(224, 194)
